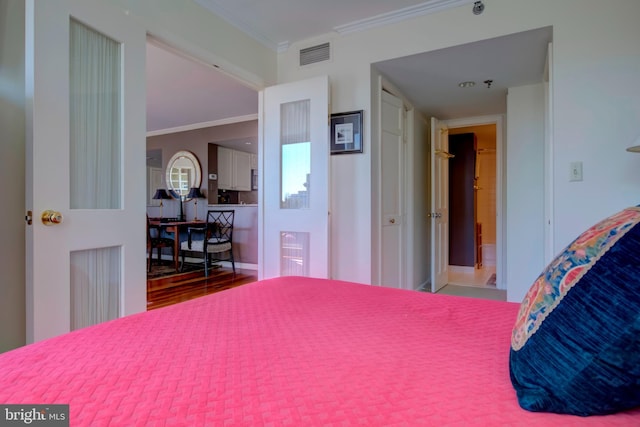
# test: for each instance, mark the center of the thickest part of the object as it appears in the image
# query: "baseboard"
(424, 286)
(242, 265)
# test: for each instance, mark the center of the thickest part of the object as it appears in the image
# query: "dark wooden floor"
(169, 290)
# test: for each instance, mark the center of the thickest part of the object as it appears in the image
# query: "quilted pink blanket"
(288, 351)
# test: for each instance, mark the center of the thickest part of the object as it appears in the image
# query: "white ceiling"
(182, 92)
(431, 79)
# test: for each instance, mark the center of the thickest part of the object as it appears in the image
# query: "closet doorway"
(472, 205)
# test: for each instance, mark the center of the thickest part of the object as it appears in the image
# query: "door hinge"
(29, 217)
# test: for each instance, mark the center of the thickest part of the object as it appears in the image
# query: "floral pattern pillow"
(575, 347)
(566, 271)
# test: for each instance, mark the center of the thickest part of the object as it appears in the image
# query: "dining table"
(175, 227)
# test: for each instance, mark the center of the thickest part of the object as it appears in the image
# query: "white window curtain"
(294, 253)
(95, 286)
(95, 167)
(95, 124)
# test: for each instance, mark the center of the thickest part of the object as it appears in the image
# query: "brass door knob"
(51, 217)
(392, 221)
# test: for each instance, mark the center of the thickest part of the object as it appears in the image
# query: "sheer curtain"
(95, 286)
(95, 130)
(95, 167)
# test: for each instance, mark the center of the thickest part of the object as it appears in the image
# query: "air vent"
(313, 54)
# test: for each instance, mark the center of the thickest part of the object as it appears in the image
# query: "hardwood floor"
(169, 290)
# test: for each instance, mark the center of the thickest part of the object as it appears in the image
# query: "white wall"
(525, 189)
(12, 155)
(596, 106)
(596, 113)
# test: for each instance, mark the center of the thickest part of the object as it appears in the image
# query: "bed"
(288, 351)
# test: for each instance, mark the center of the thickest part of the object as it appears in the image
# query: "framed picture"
(346, 132)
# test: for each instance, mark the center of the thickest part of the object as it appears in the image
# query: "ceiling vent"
(313, 54)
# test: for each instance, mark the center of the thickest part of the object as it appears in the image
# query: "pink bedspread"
(290, 351)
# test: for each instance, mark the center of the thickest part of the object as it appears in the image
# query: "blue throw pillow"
(575, 348)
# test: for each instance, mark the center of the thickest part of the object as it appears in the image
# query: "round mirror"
(183, 172)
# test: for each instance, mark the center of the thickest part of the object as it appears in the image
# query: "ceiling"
(182, 93)
(431, 79)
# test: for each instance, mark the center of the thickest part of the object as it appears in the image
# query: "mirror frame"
(196, 179)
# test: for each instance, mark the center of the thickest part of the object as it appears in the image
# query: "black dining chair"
(213, 242)
(155, 240)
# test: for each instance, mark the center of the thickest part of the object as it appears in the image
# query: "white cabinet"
(225, 164)
(241, 171)
(234, 170)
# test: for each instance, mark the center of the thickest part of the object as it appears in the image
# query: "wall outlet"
(575, 171)
(213, 176)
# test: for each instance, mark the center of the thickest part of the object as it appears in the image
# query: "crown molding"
(426, 8)
(202, 125)
(431, 6)
(283, 46)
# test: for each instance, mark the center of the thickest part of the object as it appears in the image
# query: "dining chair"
(214, 241)
(155, 240)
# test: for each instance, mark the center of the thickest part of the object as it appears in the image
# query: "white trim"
(431, 6)
(261, 216)
(408, 222)
(202, 125)
(283, 46)
(499, 121)
(425, 8)
(549, 249)
(227, 264)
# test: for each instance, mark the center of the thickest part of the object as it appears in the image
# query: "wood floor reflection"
(165, 291)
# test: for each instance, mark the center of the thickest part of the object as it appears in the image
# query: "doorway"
(183, 115)
(480, 212)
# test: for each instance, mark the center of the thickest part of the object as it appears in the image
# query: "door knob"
(51, 217)
(392, 220)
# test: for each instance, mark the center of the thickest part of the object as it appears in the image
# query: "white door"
(86, 163)
(392, 186)
(439, 204)
(294, 193)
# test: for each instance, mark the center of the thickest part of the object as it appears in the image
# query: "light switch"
(575, 171)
